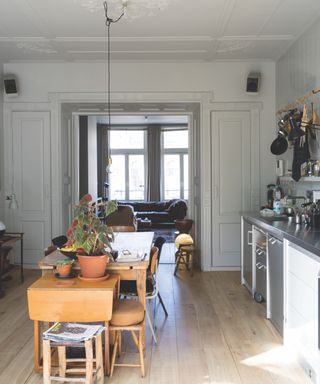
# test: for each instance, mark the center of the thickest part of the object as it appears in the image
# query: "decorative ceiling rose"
(234, 46)
(133, 8)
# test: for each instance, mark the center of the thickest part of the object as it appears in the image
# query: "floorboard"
(215, 333)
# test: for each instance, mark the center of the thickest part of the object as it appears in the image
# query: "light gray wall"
(298, 72)
(227, 81)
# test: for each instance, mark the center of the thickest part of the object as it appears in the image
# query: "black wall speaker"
(253, 83)
(10, 85)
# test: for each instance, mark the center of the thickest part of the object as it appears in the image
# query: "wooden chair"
(129, 288)
(123, 228)
(127, 315)
(92, 374)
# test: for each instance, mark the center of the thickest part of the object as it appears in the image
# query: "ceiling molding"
(220, 30)
(136, 39)
(258, 38)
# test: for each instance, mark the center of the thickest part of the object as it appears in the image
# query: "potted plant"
(90, 236)
(64, 266)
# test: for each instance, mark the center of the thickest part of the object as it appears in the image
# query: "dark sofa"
(161, 213)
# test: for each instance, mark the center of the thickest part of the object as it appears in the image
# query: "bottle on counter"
(270, 195)
(277, 194)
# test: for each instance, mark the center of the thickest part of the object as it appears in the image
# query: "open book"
(72, 331)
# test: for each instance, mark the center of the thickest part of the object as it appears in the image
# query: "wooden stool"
(184, 254)
(127, 315)
(90, 373)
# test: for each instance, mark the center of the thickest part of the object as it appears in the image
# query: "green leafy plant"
(61, 262)
(88, 234)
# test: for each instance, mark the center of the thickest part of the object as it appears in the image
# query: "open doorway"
(95, 113)
(141, 161)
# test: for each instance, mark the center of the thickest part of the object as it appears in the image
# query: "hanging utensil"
(279, 145)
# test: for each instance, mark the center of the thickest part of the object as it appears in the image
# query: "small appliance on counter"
(2, 228)
(313, 196)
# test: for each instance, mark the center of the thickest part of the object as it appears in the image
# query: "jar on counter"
(277, 200)
(270, 195)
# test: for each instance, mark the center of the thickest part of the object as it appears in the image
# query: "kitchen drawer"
(303, 265)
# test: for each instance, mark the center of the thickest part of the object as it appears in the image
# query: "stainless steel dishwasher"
(275, 282)
(260, 247)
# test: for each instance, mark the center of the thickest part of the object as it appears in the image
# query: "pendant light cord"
(110, 21)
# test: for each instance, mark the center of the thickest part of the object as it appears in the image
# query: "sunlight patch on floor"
(273, 360)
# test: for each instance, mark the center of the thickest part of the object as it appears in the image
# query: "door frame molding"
(177, 102)
(254, 109)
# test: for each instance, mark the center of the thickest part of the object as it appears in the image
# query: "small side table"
(8, 239)
(144, 224)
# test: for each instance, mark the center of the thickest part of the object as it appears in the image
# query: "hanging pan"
(279, 145)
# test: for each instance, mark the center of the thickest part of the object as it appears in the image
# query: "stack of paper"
(128, 257)
(72, 332)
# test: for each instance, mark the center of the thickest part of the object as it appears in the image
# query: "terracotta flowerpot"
(64, 270)
(93, 266)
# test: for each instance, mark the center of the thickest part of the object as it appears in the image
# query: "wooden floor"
(215, 333)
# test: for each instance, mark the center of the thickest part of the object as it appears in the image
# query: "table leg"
(36, 345)
(106, 349)
(1, 271)
(141, 290)
(21, 260)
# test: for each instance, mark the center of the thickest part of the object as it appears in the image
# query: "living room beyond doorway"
(138, 160)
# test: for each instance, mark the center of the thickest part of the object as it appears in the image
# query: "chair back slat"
(154, 260)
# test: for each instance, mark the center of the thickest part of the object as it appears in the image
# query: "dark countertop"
(303, 235)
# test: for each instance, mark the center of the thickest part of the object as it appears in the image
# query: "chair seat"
(129, 287)
(126, 313)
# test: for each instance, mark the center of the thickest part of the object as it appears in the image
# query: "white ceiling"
(188, 30)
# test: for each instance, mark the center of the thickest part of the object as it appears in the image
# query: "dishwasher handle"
(259, 265)
(272, 240)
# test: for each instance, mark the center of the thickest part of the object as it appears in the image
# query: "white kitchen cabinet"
(301, 307)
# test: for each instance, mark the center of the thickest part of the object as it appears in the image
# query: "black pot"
(279, 145)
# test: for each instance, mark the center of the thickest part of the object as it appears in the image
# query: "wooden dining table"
(52, 300)
(134, 270)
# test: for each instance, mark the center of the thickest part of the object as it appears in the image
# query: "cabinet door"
(301, 304)
(275, 280)
(247, 254)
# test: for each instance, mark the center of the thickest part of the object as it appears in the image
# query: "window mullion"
(127, 175)
(181, 175)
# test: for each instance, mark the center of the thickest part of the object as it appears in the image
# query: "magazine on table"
(72, 331)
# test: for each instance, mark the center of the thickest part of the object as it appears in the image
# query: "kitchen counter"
(300, 234)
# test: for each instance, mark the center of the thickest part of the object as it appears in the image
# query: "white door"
(31, 181)
(231, 183)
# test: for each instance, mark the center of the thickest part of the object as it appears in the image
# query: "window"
(175, 164)
(128, 153)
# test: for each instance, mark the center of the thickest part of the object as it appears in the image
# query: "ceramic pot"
(64, 270)
(93, 266)
(183, 225)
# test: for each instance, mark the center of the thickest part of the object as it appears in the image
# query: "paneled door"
(231, 184)
(31, 181)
